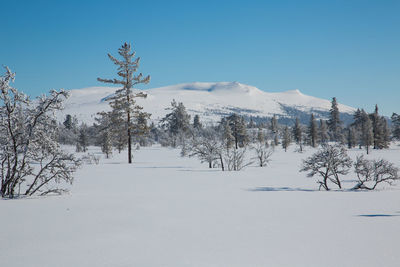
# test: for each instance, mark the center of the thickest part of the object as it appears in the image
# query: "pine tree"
(68, 122)
(106, 143)
(286, 138)
(380, 130)
(238, 128)
(123, 102)
(367, 132)
(177, 122)
(196, 122)
(251, 124)
(323, 132)
(227, 136)
(386, 133)
(334, 122)
(396, 126)
(261, 136)
(274, 130)
(82, 143)
(313, 131)
(351, 137)
(298, 134)
(358, 118)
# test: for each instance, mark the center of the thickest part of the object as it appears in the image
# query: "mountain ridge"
(210, 100)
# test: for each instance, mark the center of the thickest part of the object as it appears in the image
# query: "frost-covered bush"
(31, 160)
(329, 162)
(370, 173)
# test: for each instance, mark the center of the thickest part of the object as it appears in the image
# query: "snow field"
(164, 210)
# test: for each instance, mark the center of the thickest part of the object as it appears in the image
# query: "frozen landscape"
(164, 210)
(200, 134)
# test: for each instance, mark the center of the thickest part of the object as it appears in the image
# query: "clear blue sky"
(348, 49)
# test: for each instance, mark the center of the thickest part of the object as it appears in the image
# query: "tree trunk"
(129, 146)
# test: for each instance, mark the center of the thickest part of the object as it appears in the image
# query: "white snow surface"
(210, 100)
(164, 210)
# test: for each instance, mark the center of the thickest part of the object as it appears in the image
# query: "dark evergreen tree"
(275, 130)
(323, 132)
(380, 130)
(351, 137)
(286, 138)
(196, 122)
(367, 132)
(298, 134)
(313, 131)
(396, 126)
(238, 128)
(68, 122)
(82, 142)
(334, 122)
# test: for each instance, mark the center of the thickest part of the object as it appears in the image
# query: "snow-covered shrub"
(329, 162)
(370, 173)
(91, 158)
(31, 159)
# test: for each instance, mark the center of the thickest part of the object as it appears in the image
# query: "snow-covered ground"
(164, 210)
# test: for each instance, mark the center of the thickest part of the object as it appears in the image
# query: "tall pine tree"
(123, 102)
(334, 122)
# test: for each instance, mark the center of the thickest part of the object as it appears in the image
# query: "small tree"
(205, 146)
(275, 129)
(286, 138)
(196, 122)
(323, 132)
(298, 134)
(82, 141)
(235, 159)
(367, 135)
(177, 122)
(238, 128)
(329, 162)
(263, 153)
(370, 173)
(313, 131)
(396, 126)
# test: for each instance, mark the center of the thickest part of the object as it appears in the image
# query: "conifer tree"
(380, 130)
(396, 126)
(82, 142)
(313, 131)
(334, 122)
(196, 122)
(68, 122)
(323, 132)
(351, 137)
(238, 128)
(274, 129)
(177, 122)
(228, 138)
(358, 118)
(286, 138)
(367, 132)
(298, 134)
(123, 102)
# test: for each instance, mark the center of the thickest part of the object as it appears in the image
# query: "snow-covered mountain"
(210, 100)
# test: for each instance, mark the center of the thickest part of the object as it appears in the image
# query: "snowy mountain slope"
(210, 100)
